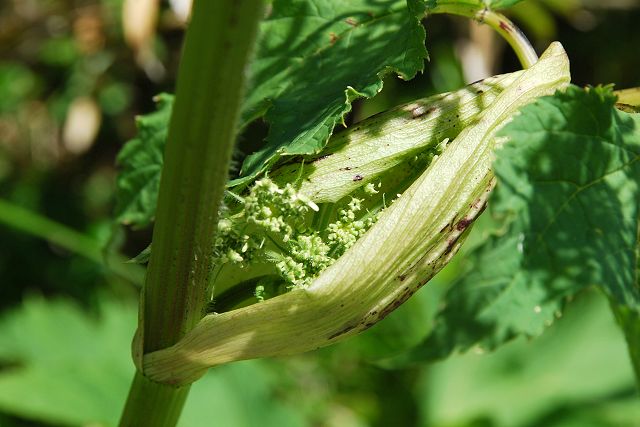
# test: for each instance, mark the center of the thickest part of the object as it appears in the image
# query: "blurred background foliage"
(74, 74)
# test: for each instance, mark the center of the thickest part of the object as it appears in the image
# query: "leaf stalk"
(501, 24)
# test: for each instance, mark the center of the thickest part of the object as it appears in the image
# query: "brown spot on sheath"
(420, 111)
(388, 309)
(333, 38)
(505, 26)
(479, 91)
(463, 224)
(476, 204)
(357, 178)
(450, 244)
(323, 157)
(396, 303)
(342, 331)
(402, 277)
(346, 168)
(351, 22)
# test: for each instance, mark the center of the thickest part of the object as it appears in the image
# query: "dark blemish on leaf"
(333, 38)
(388, 309)
(463, 224)
(420, 111)
(477, 203)
(479, 91)
(396, 303)
(346, 168)
(450, 244)
(402, 277)
(357, 178)
(505, 26)
(351, 22)
(323, 157)
(342, 331)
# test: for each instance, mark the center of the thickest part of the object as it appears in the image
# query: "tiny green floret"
(271, 227)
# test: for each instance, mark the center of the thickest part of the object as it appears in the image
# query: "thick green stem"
(60, 235)
(199, 145)
(507, 29)
(149, 404)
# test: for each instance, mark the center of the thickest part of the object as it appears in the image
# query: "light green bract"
(411, 241)
(302, 218)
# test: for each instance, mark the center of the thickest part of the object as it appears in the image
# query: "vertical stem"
(202, 130)
(152, 404)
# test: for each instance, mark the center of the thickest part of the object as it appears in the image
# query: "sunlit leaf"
(568, 191)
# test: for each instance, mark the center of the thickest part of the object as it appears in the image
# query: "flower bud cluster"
(271, 227)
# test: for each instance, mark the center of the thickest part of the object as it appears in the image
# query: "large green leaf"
(575, 372)
(313, 58)
(64, 366)
(568, 188)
